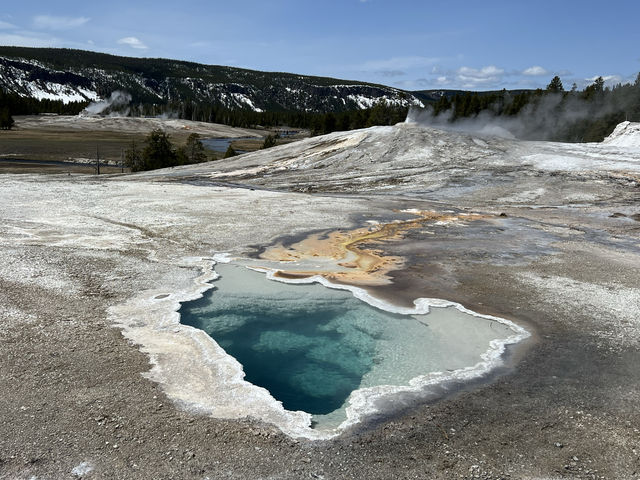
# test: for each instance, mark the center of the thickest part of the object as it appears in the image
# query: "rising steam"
(117, 104)
(538, 120)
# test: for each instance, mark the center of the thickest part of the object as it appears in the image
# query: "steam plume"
(116, 101)
(540, 119)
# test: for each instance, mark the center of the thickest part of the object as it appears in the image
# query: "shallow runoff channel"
(315, 358)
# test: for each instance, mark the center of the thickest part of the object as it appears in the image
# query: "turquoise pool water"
(312, 346)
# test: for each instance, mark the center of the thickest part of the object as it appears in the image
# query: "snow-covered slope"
(55, 85)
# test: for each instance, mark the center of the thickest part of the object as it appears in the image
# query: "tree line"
(18, 105)
(6, 120)
(552, 113)
(318, 123)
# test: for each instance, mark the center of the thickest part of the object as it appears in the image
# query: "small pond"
(220, 145)
(311, 346)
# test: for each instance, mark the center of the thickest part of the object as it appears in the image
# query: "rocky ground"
(78, 401)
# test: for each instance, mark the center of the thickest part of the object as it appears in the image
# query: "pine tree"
(269, 141)
(6, 120)
(133, 158)
(328, 123)
(195, 149)
(442, 105)
(595, 89)
(158, 151)
(555, 86)
(473, 108)
(230, 152)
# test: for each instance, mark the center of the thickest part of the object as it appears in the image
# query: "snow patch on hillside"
(364, 101)
(56, 91)
(18, 80)
(241, 98)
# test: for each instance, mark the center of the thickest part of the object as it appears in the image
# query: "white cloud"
(469, 77)
(51, 22)
(133, 42)
(200, 44)
(606, 78)
(610, 80)
(392, 73)
(492, 78)
(535, 71)
(6, 26)
(28, 39)
(397, 63)
(488, 71)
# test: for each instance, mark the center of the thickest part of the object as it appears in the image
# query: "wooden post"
(98, 159)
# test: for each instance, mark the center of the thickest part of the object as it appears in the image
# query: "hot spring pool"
(311, 346)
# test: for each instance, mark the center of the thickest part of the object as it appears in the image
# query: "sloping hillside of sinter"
(439, 165)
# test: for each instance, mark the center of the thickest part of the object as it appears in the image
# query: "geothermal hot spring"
(322, 350)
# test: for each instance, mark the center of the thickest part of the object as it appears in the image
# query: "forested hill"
(38, 80)
(77, 76)
(433, 96)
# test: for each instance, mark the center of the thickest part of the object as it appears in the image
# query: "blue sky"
(409, 44)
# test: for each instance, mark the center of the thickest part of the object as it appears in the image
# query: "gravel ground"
(77, 402)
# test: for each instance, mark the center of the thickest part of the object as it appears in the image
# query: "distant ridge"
(429, 96)
(78, 75)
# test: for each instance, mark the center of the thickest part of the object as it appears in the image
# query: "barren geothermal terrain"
(513, 268)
